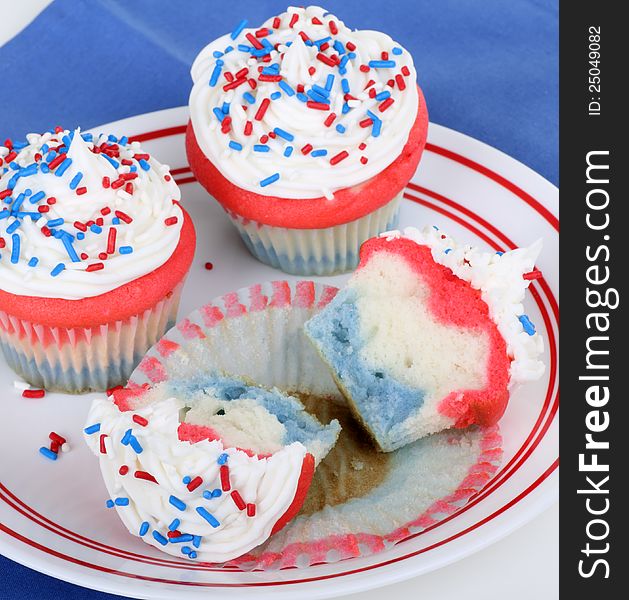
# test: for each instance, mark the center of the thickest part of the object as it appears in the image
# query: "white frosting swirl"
(499, 279)
(303, 175)
(269, 483)
(29, 257)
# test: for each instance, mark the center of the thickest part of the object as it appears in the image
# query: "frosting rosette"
(306, 131)
(206, 469)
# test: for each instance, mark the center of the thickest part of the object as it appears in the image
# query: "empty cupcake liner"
(315, 251)
(82, 359)
(257, 333)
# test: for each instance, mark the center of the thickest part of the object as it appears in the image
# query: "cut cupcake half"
(206, 469)
(428, 335)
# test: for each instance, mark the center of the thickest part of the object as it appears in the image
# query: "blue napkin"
(488, 69)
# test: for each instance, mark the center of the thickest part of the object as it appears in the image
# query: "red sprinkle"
(140, 420)
(312, 70)
(384, 55)
(80, 191)
(333, 28)
(103, 449)
(293, 20)
(238, 501)
(55, 162)
(123, 470)
(55, 446)
(209, 266)
(10, 156)
(254, 42)
(363, 160)
(339, 157)
(253, 84)
(117, 184)
(80, 226)
(83, 256)
(145, 476)
(384, 105)
(251, 510)
(173, 534)
(123, 216)
(229, 76)
(242, 73)
(262, 109)
(225, 485)
(2, 243)
(316, 21)
(5, 194)
(264, 139)
(365, 123)
(194, 484)
(52, 200)
(33, 393)
(369, 84)
(43, 209)
(111, 240)
(406, 71)
(103, 255)
(350, 46)
(306, 149)
(171, 220)
(330, 119)
(263, 32)
(95, 267)
(536, 274)
(317, 105)
(372, 93)
(248, 128)
(400, 82)
(270, 78)
(326, 60)
(46, 231)
(276, 23)
(127, 188)
(105, 211)
(364, 68)
(55, 437)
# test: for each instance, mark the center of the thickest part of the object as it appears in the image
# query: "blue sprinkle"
(499, 253)
(447, 250)
(174, 524)
(215, 75)
(288, 90)
(74, 257)
(289, 137)
(114, 221)
(243, 48)
(76, 180)
(217, 493)
(11, 228)
(180, 539)
(63, 167)
(322, 41)
(238, 29)
(186, 550)
(210, 518)
(30, 170)
(220, 115)
(4, 213)
(346, 108)
(207, 495)
(276, 95)
(60, 267)
(225, 108)
(109, 504)
(345, 86)
(144, 528)
(302, 97)
(223, 458)
(316, 96)
(377, 124)
(320, 152)
(125, 250)
(220, 63)
(113, 162)
(192, 554)
(249, 97)
(33, 262)
(261, 148)
(235, 145)
(397, 51)
(228, 49)
(288, 151)
(18, 202)
(126, 438)
(48, 453)
(338, 46)
(35, 198)
(196, 542)
(80, 235)
(217, 54)
(88, 137)
(382, 64)
(340, 128)
(112, 138)
(160, 538)
(344, 61)
(121, 501)
(144, 165)
(383, 95)
(55, 222)
(527, 325)
(92, 429)
(96, 229)
(44, 168)
(135, 444)
(15, 251)
(178, 504)
(123, 141)
(19, 145)
(260, 52)
(46, 147)
(186, 480)
(329, 82)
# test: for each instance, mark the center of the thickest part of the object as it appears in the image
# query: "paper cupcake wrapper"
(315, 251)
(257, 333)
(76, 360)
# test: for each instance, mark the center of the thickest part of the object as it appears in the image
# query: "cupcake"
(94, 250)
(206, 468)
(429, 335)
(306, 132)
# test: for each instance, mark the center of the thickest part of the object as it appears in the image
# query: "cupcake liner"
(361, 501)
(315, 251)
(82, 359)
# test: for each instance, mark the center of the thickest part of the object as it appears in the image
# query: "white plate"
(52, 515)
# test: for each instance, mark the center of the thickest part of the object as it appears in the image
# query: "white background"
(521, 567)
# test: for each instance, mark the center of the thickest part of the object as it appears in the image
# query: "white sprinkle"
(65, 447)
(21, 385)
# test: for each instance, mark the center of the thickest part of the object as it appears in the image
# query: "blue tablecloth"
(488, 69)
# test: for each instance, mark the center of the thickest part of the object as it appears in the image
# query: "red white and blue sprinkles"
(350, 84)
